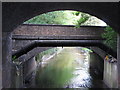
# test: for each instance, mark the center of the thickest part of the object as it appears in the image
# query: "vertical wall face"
(110, 74)
(118, 58)
(96, 65)
(6, 59)
(112, 70)
(29, 67)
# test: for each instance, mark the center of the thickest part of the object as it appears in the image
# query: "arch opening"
(28, 15)
(65, 17)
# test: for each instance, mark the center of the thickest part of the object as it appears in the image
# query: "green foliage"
(86, 49)
(56, 17)
(111, 37)
(76, 13)
(83, 19)
(65, 17)
(13, 58)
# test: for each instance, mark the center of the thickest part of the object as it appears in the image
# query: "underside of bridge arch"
(14, 14)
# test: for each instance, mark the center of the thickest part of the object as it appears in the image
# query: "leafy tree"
(65, 17)
(111, 37)
(84, 17)
(56, 17)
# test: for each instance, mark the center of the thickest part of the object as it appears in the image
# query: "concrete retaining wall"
(22, 73)
(29, 66)
(110, 74)
(99, 51)
(96, 66)
(118, 59)
(6, 59)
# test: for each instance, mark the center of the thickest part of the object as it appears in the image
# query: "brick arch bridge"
(29, 36)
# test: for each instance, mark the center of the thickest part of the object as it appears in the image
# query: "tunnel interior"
(21, 39)
(60, 41)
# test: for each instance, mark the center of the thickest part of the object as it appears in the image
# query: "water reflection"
(81, 74)
(67, 69)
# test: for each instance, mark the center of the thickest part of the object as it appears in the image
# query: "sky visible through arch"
(65, 17)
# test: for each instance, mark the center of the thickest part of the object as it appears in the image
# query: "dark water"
(67, 69)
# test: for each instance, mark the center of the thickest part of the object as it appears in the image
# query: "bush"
(111, 38)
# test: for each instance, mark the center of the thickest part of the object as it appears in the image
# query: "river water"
(67, 69)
